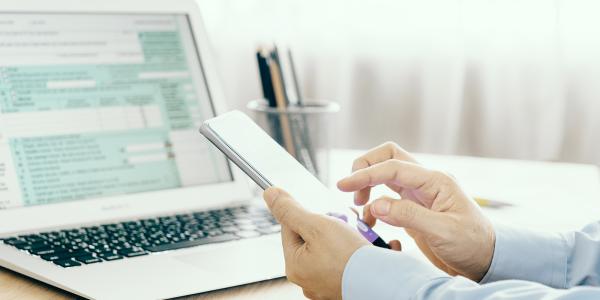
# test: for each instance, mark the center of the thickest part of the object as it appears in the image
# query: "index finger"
(381, 153)
(401, 173)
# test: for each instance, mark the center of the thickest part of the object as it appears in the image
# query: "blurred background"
(513, 79)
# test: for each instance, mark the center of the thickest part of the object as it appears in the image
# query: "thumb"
(408, 214)
(287, 211)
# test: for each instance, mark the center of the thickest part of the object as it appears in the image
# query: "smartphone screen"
(267, 163)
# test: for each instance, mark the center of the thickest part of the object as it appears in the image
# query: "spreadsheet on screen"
(96, 105)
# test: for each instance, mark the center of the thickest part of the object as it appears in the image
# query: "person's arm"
(328, 258)
(374, 273)
(455, 235)
(556, 260)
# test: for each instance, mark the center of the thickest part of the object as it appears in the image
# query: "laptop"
(107, 190)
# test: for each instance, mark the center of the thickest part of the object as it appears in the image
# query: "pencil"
(483, 202)
(281, 100)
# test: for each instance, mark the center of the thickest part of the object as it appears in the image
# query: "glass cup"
(304, 131)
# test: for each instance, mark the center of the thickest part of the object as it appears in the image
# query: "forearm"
(463, 288)
(555, 260)
(528, 255)
(373, 273)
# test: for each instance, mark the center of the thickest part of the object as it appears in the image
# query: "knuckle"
(394, 163)
(446, 180)
(394, 166)
(438, 175)
(441, 177)
(405, 212)
(390, 145)
(437, 184)
(370, 178)
(359, 163)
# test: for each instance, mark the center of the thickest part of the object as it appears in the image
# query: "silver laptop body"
(106, 188)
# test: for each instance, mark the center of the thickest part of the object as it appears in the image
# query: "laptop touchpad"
(241, 259)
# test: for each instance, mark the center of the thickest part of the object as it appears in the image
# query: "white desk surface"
(547, 196)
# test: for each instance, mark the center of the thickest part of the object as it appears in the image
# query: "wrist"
(386, 274)
(520, 253)
(487, 256)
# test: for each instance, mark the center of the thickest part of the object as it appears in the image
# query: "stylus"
(364, 229)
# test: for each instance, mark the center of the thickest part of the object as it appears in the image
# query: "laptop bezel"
(34, 218)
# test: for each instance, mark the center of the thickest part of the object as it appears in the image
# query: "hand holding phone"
(268, 164)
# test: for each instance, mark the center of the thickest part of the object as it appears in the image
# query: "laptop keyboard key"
(198, 242)
(88, 259)
(46, 251)
(67, 263)
(24, 246)
(15, 242)
(110, 256)
(32, 238)
(79, 252)
(132, 252)
(56, 256)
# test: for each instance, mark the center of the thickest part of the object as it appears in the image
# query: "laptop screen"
(98, 105)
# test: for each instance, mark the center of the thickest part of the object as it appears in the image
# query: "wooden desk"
(562, 196)
(14, 286)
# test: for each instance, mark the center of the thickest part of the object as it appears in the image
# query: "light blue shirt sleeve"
(525, 265)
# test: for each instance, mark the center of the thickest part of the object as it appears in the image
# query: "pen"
(370, 235)
(484, 202)
(367, 232)
(282, 102)
(296, 85)
(265, 77)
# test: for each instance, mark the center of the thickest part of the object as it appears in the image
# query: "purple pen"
(364, 229)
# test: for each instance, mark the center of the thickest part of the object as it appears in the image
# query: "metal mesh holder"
(304, 131)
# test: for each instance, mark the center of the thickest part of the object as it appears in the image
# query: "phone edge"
(232, 155)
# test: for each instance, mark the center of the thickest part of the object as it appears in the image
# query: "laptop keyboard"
(96, 244)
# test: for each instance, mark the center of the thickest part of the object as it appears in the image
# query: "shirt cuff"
(373, 272)
(528, 255)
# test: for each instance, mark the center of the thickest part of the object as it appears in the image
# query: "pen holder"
(304, 131)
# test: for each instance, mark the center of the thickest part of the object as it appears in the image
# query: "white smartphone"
(268, 164)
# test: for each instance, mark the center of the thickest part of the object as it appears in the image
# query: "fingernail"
(270, 195)
(382, 207)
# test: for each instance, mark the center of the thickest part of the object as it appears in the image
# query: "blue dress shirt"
(525, 265)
